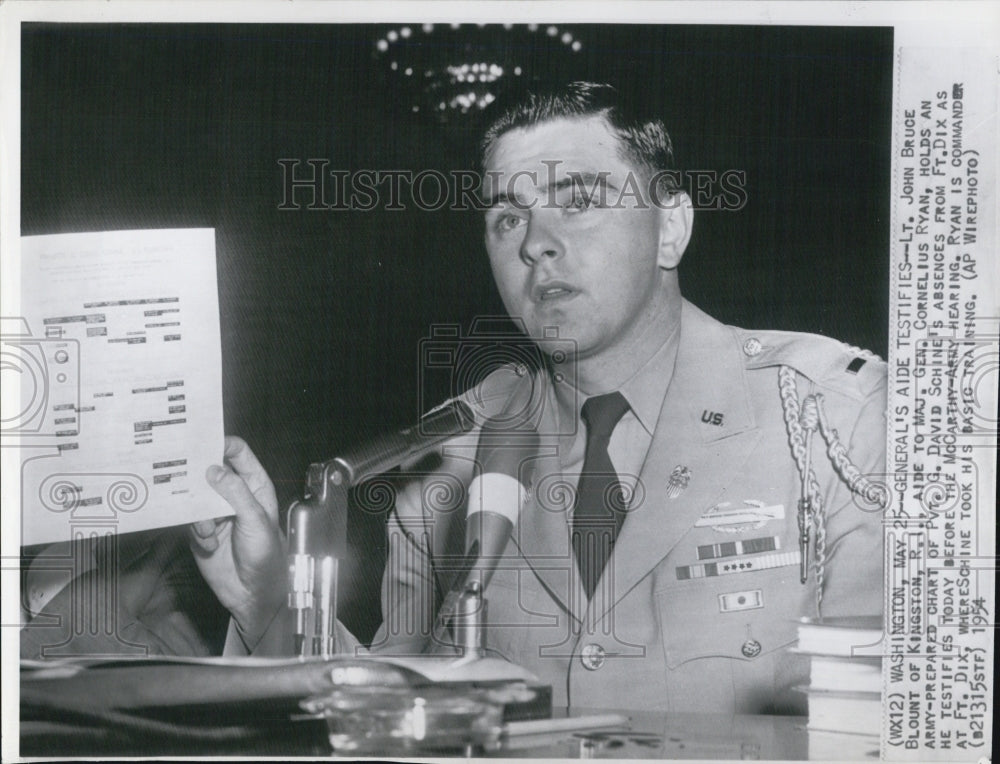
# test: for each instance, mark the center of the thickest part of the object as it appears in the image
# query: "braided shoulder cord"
(800, 425)
(874, 493)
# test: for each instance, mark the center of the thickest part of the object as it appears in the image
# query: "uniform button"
(752, 347)
(592, 657)
(751, 648)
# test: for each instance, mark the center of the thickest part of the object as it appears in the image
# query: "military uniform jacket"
(698, 605)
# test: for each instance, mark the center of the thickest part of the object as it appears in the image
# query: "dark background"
(179, 126)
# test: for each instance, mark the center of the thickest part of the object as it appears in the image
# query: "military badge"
(738, 565)
(749, 515)
(732, 602)
(678, 481)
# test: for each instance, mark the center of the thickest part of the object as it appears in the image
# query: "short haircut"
(644, 139)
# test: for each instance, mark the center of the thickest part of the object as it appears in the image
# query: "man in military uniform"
(739, 458)
(696, 489)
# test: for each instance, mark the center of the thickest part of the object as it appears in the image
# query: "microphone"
(504, 464)
(317, 525)
(388, 451)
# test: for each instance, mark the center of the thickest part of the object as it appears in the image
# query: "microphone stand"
(317, 525)
(317, 533)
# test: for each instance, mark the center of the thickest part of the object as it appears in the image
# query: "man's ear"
(676, 222)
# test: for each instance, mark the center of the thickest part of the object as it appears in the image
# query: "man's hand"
(243, 557)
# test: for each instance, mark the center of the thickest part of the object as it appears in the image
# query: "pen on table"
(569, 724)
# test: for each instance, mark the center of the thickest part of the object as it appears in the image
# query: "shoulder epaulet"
(834, 368)
(825, 361)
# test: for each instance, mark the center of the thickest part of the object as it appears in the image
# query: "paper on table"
(120, 414)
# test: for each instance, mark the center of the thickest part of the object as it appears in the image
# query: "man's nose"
(539, 242)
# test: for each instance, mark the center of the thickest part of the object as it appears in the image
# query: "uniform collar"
(644, 390)
(709, 379)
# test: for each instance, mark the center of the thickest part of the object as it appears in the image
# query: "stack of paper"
(845, 686)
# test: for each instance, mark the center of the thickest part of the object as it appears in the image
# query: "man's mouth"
(552, 291)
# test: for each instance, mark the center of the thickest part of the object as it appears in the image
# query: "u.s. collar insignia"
(678, 481)
(749, 515)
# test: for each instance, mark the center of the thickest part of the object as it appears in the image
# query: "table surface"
(73, 717)
(648, 735)
(662, 735)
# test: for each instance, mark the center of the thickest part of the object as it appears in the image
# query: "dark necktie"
(599, 510)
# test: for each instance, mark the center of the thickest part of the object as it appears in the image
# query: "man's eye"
(508, 222)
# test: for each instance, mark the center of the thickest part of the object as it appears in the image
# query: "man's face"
(593, 269)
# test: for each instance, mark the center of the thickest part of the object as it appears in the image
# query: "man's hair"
(644, 139)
